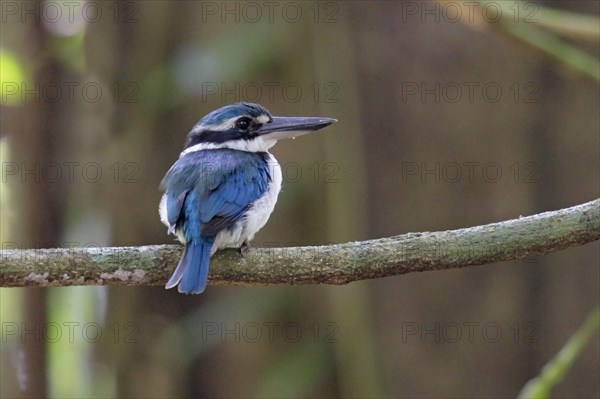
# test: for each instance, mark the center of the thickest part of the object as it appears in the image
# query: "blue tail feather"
(192, 271)
(178, 273)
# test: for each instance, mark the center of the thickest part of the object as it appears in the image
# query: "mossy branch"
(331, 264)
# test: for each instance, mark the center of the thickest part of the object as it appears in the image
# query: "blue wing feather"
(221, 196)
(242, 178)
(239, 188)
(174, 204)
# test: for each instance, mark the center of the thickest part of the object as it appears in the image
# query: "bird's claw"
(245, 245)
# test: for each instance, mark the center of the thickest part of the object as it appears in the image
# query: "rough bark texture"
(332, 264)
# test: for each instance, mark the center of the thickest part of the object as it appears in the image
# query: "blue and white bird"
(223, 188)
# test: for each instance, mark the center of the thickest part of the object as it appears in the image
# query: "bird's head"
(248, 127)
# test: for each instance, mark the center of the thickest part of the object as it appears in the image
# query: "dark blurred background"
(451, 114)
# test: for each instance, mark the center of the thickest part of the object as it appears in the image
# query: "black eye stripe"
(244, 128)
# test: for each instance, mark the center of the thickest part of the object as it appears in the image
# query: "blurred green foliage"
(556, 369)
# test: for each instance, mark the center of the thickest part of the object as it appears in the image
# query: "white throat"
(257, 144)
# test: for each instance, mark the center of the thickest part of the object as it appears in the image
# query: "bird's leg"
(245, 245)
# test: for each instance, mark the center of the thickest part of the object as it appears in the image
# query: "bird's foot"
(245, 245)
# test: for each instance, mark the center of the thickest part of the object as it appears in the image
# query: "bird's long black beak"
(286, 127)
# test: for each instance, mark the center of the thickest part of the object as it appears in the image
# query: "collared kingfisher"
(223, 188)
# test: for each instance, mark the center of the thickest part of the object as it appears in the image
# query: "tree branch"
(332, 264)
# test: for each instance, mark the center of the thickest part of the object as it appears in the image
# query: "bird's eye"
(243, 123)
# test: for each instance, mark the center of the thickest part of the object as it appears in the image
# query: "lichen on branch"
(331, 264)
